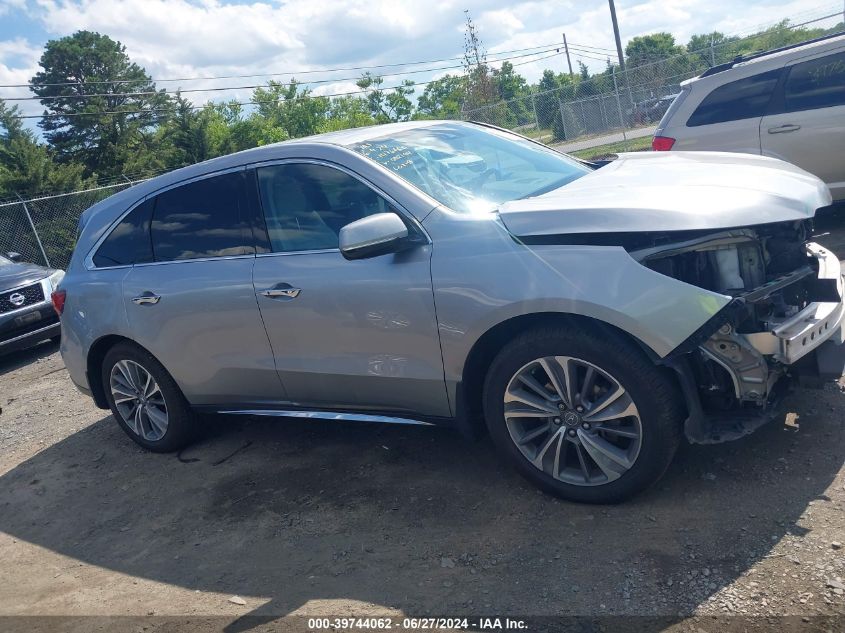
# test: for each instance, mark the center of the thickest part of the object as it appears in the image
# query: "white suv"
(788, 103)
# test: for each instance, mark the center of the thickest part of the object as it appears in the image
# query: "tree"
(553, 92)
(26, 166)
(514, 90)
(644, 49)
(480, 90)
(442, 98)
(298, 113)
(97, 101)
(347, 112)
(387, 107)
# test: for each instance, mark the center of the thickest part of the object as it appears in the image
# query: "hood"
(671, 191)
(21, 275)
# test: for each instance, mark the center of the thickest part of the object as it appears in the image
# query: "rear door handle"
(281, 291)
(781, 129)
(146, 298)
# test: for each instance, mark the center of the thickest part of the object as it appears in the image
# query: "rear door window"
(818, 83)
(742, 99)
(129, 241)
(205, 218)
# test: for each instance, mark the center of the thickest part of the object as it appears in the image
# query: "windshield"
(471, 168)
(5, 262)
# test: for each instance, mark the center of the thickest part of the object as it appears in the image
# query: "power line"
(579, 54)
(287, 73)
(555, 48)
(601, 49)
(244, 103)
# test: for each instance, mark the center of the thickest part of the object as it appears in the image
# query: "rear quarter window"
(129, 241)
(741, 99)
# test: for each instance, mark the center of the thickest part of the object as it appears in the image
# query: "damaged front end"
(786, 311)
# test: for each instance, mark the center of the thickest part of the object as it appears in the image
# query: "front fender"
(483, 277)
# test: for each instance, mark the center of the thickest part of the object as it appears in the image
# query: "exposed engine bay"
(786, 301)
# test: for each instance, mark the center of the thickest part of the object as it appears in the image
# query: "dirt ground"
(321, 518)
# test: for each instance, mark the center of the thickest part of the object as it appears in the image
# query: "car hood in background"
(671, 191)
(18, 275)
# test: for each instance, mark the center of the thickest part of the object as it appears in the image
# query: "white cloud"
(201, 38)
(6, 6)
(18, 63)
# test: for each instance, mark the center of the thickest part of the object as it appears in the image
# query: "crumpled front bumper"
(820, 322)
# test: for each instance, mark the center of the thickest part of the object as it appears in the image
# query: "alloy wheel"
(573, 420)
(139, 400)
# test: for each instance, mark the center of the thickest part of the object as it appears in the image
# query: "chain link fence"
(616, 101)
(43, 229)
(621, 101)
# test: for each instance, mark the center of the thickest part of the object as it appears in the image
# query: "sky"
(184, 39)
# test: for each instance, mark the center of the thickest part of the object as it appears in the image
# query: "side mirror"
(15, 257)
(374, 235)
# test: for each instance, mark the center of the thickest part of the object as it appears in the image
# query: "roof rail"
(744, 58)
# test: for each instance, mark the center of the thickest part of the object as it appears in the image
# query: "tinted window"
(818, 83)
(202, 219)
(306, 205)
(741, 99)
(129, 241)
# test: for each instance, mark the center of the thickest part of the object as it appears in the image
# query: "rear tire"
(584, 416)
(145, 400)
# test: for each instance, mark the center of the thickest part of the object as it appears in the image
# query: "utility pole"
(566, 48)
(620, 54)
(616, 35)
(712, 52)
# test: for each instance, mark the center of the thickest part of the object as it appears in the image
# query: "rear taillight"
(58, 297)
(662, 143)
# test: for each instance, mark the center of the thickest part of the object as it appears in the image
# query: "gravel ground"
(318, 518)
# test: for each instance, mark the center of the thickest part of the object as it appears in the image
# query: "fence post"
(534, 105)
(34, 232)
(619, 106)
(563, 121)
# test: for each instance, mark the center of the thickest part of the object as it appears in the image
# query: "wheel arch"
(94, 364)
(481, 354)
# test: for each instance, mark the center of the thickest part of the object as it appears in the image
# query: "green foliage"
(285, 106)
(84, 75)
(513, 89)
(442, 98)
(26, 166)
(645, 49)
(387, 107)
(347, 112)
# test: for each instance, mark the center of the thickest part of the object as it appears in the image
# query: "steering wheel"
(479, 180)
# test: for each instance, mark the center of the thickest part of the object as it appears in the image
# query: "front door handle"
(281, 291)
(146, 298)
(781, 129)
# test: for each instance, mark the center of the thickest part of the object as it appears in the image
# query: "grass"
(642, 144)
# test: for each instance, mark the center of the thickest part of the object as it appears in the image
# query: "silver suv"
(787, 103)
(452, 273)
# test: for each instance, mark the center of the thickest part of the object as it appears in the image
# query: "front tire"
(586, 417)
(145, 400)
